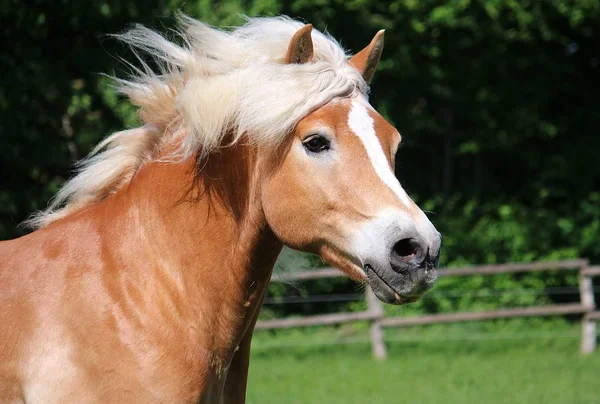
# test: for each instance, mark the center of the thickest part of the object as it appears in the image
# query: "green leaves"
(496, 101)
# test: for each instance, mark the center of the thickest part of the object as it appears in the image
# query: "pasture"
(507, 366)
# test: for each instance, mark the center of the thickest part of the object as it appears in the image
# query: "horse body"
(132, 300)
(144, 279)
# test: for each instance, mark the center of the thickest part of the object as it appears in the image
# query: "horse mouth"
(400, 291)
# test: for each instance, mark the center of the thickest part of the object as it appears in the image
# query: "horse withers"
(144, 277)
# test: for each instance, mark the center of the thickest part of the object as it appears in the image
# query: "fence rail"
(557, 309)
(376, 316)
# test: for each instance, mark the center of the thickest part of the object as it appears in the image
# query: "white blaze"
(361, 123)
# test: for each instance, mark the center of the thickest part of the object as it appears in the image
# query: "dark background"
(497, 102)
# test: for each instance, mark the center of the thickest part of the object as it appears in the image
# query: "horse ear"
(300, 49)
(367, 59)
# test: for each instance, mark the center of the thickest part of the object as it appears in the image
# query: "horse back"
(74, 326)
(37, 296)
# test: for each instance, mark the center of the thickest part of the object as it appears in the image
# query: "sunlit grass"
(518, 366)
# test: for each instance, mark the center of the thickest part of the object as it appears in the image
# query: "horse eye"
(316, 144)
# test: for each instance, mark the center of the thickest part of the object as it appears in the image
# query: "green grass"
(439, 370)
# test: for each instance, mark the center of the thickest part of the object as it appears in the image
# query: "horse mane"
(213, 83)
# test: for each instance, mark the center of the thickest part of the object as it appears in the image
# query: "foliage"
(496, 100)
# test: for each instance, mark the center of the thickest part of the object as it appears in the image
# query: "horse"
(143, 278)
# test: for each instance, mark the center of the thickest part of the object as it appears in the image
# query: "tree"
(496, 100)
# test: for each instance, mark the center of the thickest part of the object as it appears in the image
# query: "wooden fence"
(375, 313)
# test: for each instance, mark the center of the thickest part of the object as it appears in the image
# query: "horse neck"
(202, 229)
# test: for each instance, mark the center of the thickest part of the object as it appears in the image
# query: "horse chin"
(390, 284)
(385, 291)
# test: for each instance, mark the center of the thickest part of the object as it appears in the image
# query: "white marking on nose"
(361, 123)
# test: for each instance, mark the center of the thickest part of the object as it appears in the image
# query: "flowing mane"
(216, 82)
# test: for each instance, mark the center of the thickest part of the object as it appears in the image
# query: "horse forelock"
(218, 82)
(214, 87)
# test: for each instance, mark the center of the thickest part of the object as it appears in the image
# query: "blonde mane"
(216, 82)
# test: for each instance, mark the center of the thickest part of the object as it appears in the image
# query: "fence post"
(379, 351)
(588, 326)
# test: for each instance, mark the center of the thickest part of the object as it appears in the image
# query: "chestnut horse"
(144, 278)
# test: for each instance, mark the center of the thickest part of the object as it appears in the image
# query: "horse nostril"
(406, 248)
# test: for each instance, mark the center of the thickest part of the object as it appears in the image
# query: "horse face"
(333, 192)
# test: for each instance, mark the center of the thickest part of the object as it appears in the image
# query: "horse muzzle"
(410, 272)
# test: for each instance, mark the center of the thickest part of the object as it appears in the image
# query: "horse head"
(332, 190)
